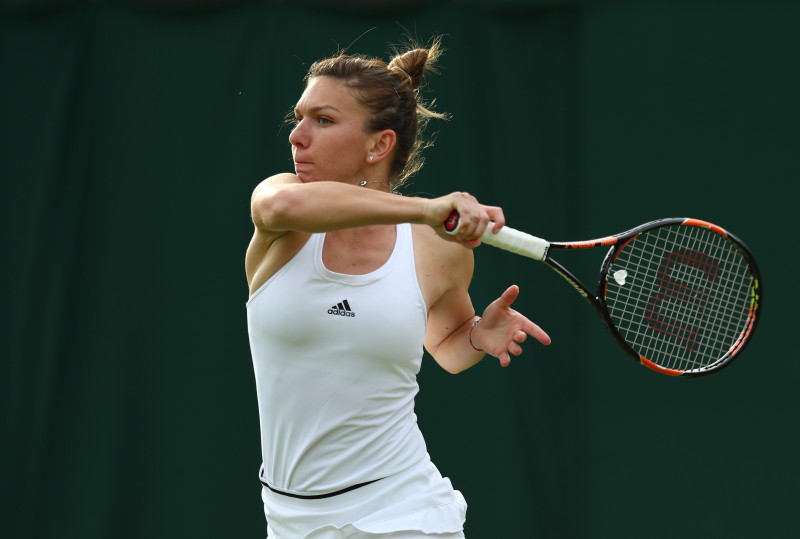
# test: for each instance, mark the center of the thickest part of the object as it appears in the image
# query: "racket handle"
(508, 239)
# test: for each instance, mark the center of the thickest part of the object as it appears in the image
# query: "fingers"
(483, 219)
(505, 359)
(514, 349)
(529, 328)
(474, 217)
(508, 297)
(539, 334)
(496, 215)
(513, 329)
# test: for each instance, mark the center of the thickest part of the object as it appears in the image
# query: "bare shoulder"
(429, 244)
(270, 250)
(441, 265)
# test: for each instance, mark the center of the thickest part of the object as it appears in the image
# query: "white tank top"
(336, 359)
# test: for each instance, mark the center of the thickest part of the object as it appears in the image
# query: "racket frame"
(539, 249)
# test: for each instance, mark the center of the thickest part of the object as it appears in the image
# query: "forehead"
(325, 92)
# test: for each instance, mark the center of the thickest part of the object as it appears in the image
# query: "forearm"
(457, 353)
(326, 206)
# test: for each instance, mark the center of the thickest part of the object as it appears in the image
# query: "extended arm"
(282, 203)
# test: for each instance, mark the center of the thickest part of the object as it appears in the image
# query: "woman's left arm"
(457, 339)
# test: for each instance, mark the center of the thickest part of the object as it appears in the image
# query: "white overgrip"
(508, 239)
(517, 242)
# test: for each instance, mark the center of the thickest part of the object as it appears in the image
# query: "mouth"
(302, 169)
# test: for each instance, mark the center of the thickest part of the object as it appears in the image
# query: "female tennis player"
(348, 281)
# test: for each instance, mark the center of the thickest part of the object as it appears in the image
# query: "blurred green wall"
(131, 136)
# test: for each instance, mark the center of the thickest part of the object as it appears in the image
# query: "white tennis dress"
(336, 359)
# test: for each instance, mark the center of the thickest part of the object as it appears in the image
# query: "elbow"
(454, 367)
(273, 210)
(451, 363)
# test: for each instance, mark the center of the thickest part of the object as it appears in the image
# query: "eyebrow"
(319, 108)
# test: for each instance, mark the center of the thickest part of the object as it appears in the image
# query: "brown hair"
(390, 95)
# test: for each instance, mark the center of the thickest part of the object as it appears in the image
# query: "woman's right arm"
(284, 209)
(282, 203)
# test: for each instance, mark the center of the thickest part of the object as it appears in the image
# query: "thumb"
(508, 297)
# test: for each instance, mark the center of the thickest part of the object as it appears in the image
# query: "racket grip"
(508, 239)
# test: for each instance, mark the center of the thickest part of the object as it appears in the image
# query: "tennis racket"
(681, 296)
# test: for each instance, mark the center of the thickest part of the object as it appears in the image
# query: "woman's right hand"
(474, 217)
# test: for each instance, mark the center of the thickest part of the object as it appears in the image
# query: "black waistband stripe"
(317, 496)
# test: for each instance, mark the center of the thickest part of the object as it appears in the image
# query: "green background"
(132, 134)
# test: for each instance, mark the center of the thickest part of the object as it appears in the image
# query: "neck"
(365, 183)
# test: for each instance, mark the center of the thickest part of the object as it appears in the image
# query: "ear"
(382, 144)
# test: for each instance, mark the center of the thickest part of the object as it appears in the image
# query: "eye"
(297, 119)
(322, 120)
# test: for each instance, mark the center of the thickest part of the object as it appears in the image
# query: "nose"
(298, 137)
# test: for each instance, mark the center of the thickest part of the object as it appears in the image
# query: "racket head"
(681, 295)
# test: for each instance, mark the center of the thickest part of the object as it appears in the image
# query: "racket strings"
(688, 316)
(687, 301)
(691, 314)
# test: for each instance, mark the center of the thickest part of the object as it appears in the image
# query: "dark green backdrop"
(131, 136)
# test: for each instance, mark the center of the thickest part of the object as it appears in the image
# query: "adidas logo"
(342, 309)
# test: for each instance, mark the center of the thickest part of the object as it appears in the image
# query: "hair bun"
(412, 65)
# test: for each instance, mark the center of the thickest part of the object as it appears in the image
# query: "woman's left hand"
(502, 330)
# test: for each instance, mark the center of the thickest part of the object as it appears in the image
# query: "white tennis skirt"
(412, 504)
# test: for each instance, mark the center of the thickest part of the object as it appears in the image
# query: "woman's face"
(329, 141)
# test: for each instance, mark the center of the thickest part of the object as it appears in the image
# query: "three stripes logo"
(342, 309)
